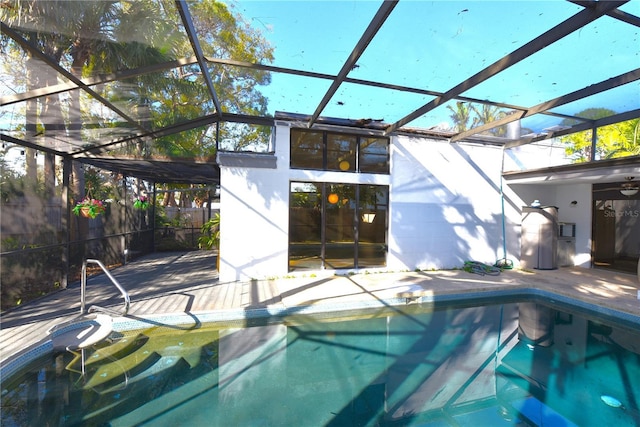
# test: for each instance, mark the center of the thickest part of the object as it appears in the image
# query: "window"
(307, 150)
(341, 152)
(374, 155)
(338, 152)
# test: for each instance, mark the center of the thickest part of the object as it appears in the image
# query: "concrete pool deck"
(187, 283)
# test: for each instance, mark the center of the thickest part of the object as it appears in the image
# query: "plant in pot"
(141, 202)
(211, 236)
(89, 208)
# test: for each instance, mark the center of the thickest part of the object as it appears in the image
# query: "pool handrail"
(83, 286)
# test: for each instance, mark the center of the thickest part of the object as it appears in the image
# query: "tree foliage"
(466, 116)
(91, 38)
(613, 141)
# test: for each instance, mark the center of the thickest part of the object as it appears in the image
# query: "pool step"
(164, 408)
(120, 370)
(123, 401)
(159, 367)
(115, 351)
(81, 333)
(127, 359)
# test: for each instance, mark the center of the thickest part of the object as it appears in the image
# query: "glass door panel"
(305, 227)
(372, 226)
(339, 226)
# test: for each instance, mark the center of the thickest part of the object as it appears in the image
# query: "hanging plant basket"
(141, 203)
(89, 208)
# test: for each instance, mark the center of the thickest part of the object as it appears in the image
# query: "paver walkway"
(187, 282)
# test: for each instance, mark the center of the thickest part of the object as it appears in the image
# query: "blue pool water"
(510, 363)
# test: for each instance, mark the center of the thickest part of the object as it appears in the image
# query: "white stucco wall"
(253, 223)
(445, 205)
(578, 213)
(445, 208)
(254, 217)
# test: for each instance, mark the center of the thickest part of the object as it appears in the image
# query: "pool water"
(512, 363)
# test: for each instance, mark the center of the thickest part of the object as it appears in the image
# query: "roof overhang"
(175, 171)
(612, 170)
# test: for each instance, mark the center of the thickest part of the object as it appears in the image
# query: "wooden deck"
(187, 282)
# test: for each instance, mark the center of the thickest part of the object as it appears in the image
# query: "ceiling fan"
(628, 188)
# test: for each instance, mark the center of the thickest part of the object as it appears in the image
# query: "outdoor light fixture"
(333, 198)
(344, 165)
(629, 188)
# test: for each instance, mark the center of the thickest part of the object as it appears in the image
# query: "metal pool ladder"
(83, 286)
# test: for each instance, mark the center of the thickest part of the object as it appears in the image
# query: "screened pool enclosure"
(122, 101)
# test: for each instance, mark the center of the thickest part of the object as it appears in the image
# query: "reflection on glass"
(616, 221)
(304, 227)
(341, 151)
(339, 232)
(348, 231)
(306, 149)
(372, 228)
(344, 153)
(374, 155)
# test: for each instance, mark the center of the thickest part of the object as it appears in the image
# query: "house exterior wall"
(579, 213)
(445, 207)
(254, 210)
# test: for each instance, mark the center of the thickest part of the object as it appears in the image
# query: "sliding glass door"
(337, 226)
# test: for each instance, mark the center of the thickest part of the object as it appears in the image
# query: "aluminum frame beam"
(95, 80)
(187, 21)
(180, 127)
(561, 100)
(591, 124)
(556, 33)
(374, 26)
(400, 88)
(47, 60)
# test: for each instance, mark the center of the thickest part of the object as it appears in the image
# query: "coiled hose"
(481, 268)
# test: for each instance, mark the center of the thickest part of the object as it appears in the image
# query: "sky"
(436, 45)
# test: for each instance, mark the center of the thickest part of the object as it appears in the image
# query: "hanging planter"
(89, 208)
(141, 203)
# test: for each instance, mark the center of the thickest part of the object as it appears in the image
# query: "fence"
(187, 217)
(39, 255)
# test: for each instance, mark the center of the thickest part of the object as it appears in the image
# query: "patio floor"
(187, 282)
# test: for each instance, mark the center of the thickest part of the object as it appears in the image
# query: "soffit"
(603, 171)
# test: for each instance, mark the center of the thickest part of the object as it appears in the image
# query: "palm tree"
(460, 116)
(488, 113)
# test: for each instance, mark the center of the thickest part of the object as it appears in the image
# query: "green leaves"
(210, 233)
(613, 141)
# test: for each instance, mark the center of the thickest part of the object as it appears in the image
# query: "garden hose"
(481, 268)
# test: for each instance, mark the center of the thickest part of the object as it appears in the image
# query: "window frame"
(357, 158)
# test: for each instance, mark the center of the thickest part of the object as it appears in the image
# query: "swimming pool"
(512, 362)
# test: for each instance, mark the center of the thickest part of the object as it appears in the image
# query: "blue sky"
(435, 45)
